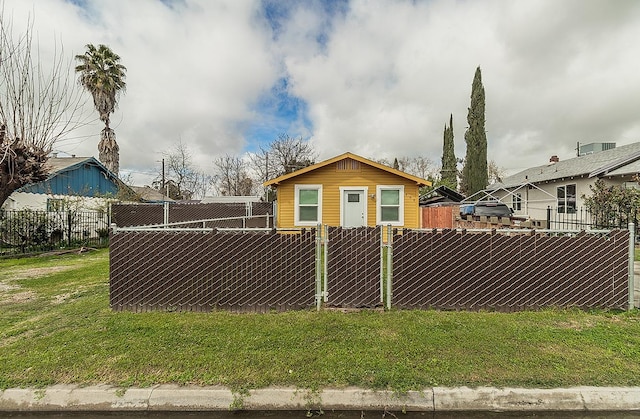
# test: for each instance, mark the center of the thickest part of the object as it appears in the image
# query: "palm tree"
(103, 76)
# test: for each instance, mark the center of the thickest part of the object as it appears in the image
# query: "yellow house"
(348, 191)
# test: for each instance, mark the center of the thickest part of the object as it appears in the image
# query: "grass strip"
(56, 327)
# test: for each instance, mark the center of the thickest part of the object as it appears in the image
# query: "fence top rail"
(205, 220)
(209, 229)
(513, 231)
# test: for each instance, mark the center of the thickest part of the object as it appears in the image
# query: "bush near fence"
(243, 270)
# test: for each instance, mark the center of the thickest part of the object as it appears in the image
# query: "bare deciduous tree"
(495, 173)
(231, 177)
(283, 155)
(38, 105)
(420, 166)
(182, 179)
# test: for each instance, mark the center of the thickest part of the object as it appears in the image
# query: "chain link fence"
(198, 269)
(510, 271)
(177, 214)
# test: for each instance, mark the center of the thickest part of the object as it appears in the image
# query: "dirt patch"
(6, 285)
(576, 325)
(19, 297)
(18, 274)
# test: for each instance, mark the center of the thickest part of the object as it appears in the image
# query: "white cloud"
(382, 85)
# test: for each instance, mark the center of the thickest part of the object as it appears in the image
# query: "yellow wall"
(331, 180)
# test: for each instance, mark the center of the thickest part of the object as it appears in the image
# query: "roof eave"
(278, 180)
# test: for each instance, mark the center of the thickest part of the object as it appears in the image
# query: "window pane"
(308, 213)
(390, 197)
(571, 198)
(309, 196)
(353, 197)
(560, 192)
(389, 214)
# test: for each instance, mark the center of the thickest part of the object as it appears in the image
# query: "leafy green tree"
(102, 75)
(449, 171)
(612, 206)
(474, 172)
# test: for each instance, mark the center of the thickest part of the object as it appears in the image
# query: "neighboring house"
(79, 181)
(348, 191)
(561, 184)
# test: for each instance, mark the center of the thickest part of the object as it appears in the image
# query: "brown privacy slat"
(129, 215)
(353, 267)
(446, 269)
(459, 270)
(197, 271)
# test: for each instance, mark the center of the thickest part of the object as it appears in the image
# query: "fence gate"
(353, 267)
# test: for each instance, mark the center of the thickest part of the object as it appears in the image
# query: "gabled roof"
(58, 167)
(417, 180)
(617, 161)
(57, 164)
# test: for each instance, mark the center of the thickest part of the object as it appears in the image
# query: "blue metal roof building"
(77, 176)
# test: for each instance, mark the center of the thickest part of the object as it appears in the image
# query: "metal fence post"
(631, 261)
(326, 263)
(166, 212)
(382, 276)
(389, 266)
(318, 266)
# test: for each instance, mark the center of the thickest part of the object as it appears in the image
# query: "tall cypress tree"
(474, 172)
(449, 171)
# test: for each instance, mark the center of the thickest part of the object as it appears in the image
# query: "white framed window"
(390, 205)
(566, 199)
(516, 203)
(308, 205)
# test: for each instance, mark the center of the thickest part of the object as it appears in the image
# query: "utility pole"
(162, 185)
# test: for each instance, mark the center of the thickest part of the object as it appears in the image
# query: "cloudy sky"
(378, 78)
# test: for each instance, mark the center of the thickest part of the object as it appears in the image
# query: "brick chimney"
(554, 159)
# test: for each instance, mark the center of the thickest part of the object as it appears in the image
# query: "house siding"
(82, 180)
(332, 180)
(535, 200)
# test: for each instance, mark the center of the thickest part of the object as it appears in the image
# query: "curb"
(437, 399)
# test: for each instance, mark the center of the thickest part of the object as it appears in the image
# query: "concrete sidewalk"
(441, 399)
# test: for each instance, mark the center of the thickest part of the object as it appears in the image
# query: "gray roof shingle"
(628, 155)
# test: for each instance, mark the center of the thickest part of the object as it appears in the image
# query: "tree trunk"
(109, 152)
(19, 166)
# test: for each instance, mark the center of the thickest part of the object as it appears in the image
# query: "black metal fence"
(583, 218)
(28, 231)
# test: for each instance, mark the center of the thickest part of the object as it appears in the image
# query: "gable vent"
(347, 165)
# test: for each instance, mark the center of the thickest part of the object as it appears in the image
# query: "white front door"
(354, 208)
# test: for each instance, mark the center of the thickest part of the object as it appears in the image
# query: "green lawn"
(56, 327)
